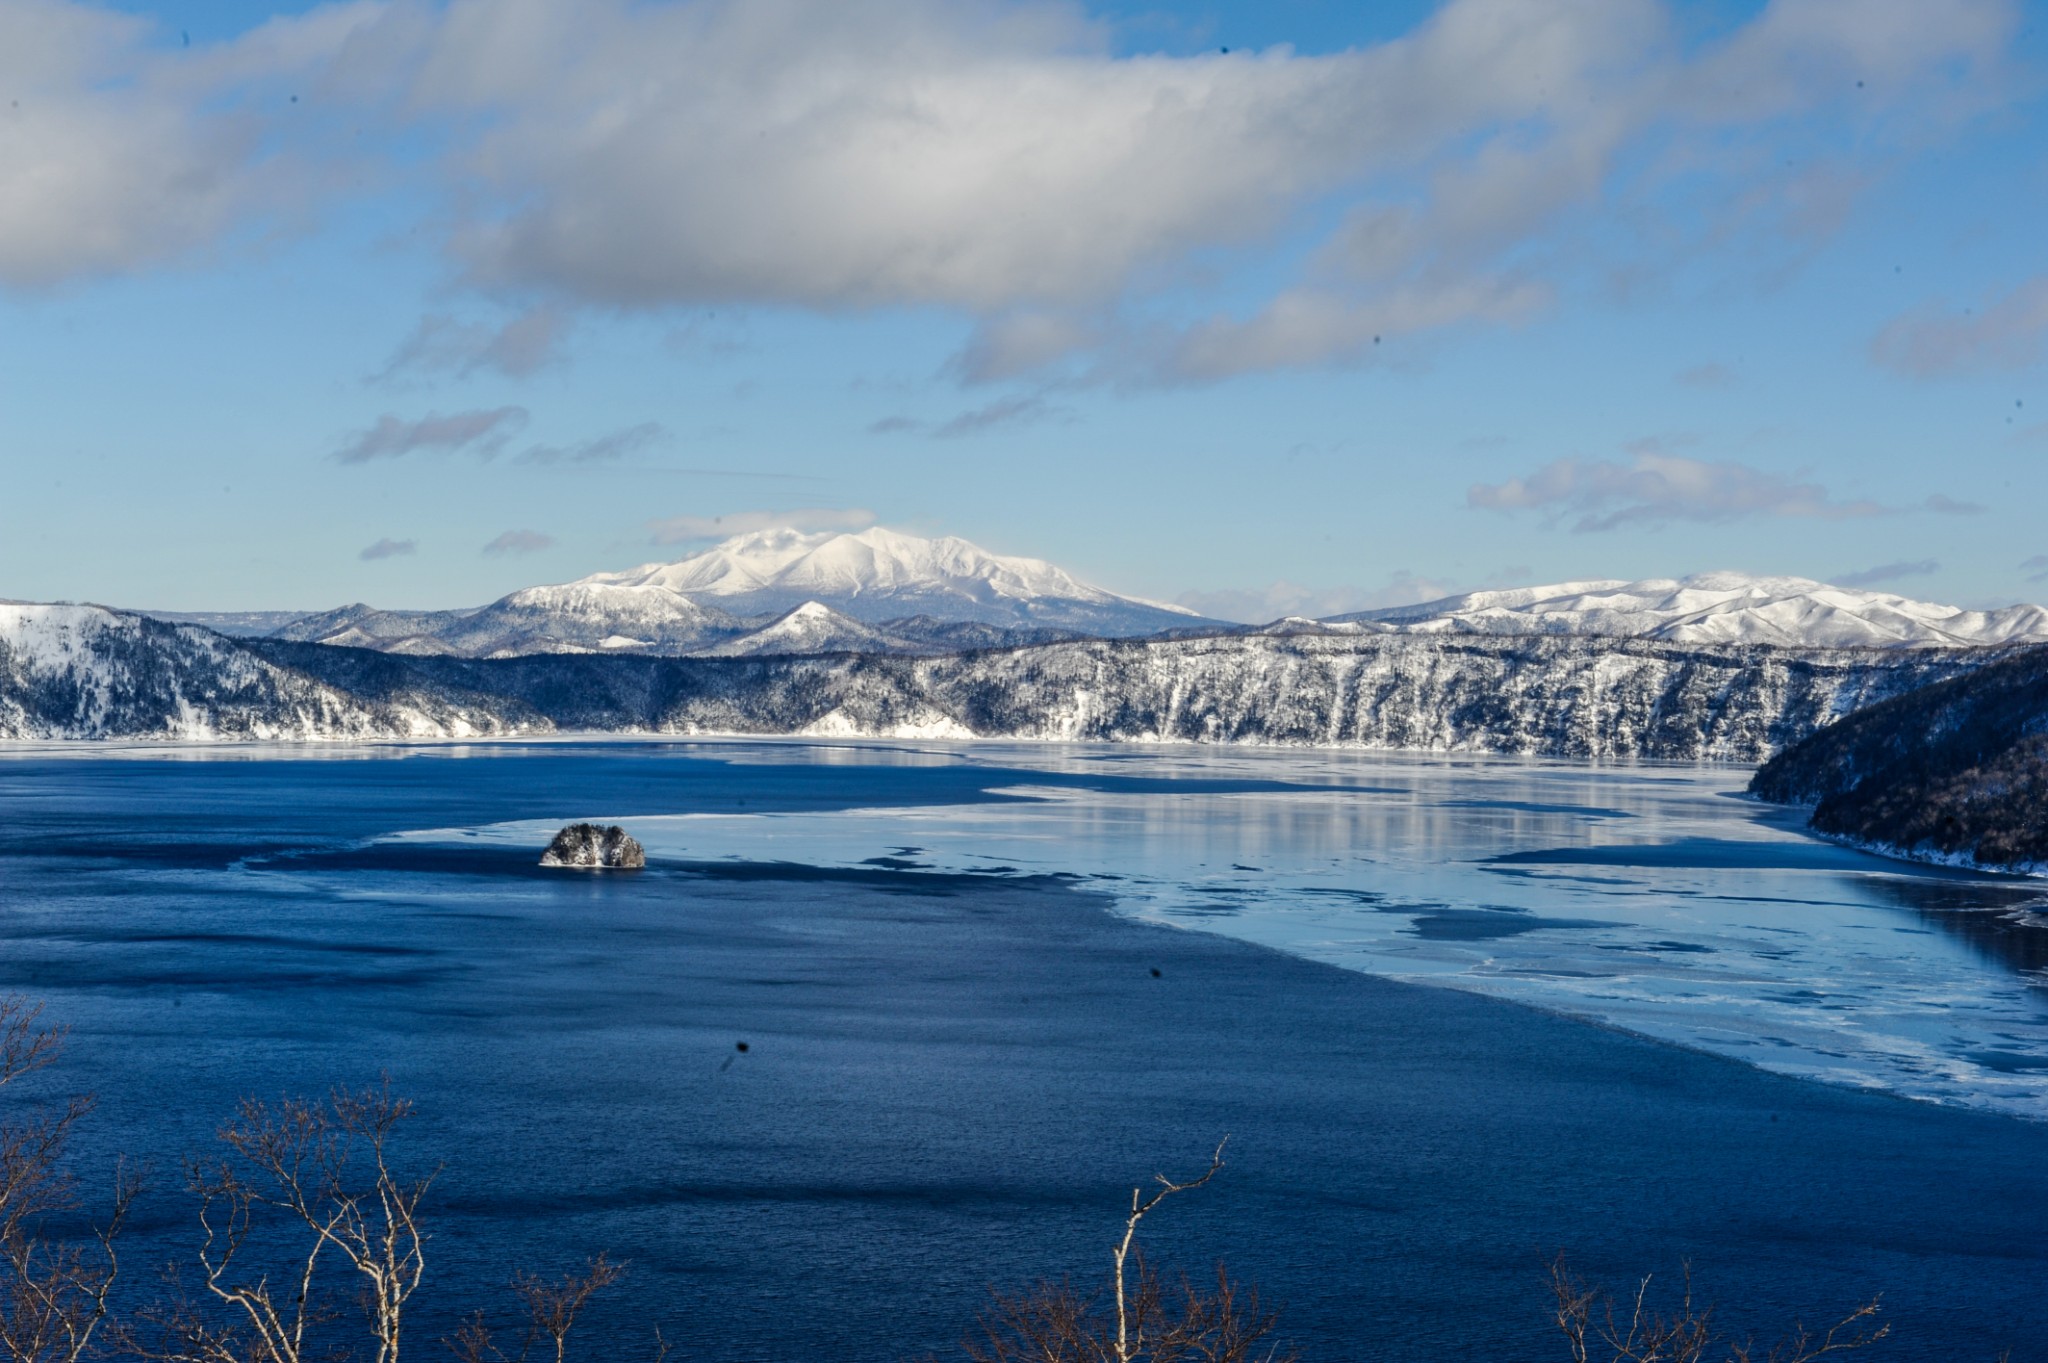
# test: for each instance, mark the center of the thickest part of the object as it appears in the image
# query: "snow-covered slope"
(813, 628)
(573, 618)
(589, 617)
(87, 672)
(234, 624)
(879, 575)
(363, 626)
(1716, 608)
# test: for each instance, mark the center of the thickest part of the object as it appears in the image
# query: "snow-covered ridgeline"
(786, 592)
(82, 672)
(69, 672)
(1564, 697)
(1715, 608)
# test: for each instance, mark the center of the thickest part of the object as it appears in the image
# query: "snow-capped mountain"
(1714, 608)
(880, 575)
(943, 593)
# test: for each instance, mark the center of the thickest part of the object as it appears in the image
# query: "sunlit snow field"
(1654, 898)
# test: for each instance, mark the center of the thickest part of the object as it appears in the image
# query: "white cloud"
(520, 542)
(690, 529)
(1657, 488)
(1021, 409)
(873, 152)
(2009, 332)
(1888, 572)
(1942, 505)
(517, 349)
(993, 157)
(602, 450)
(482, 432)
(1304, 327)
(389, 548)
(118, 151)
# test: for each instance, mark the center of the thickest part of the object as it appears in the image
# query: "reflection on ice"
(1647, 898)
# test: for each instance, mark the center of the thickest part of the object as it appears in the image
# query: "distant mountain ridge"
(1715, 608)
(882, 591)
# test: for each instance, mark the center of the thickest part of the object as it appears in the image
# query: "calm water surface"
(975, 1015)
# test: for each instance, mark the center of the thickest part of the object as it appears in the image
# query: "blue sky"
(419, 303)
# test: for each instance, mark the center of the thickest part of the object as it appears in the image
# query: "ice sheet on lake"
(1649, 898)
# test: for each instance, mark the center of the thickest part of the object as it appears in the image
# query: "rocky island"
(594, 847)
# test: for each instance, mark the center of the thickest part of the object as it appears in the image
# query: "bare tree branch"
(56, 1294)
(1126, 1347)
(322, 1170)
(1592, 1325)
(1146, 1321)
(552, 1308)
(551, 1312)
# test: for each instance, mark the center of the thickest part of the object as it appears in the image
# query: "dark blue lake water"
(966, 1041)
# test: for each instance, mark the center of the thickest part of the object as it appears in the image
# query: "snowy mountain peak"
(879, 574)
(812, 627)
(1718, 608)
(874, 560)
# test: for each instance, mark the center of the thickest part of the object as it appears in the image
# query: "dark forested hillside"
(1957, 769)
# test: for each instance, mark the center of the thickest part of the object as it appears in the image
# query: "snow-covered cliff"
(1551, 697)
(83, 672)
(1565, 697)
(86, 672)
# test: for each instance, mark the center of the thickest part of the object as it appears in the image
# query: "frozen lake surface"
(976, 1015)
(1652, 898)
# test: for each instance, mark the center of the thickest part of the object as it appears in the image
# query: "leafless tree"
(320, 1175)
(1145, 1321)
(1593, 1325)
(551, 1312)
(56, 1293)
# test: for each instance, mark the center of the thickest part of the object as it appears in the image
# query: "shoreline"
(1891, 851)
(287, 748)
